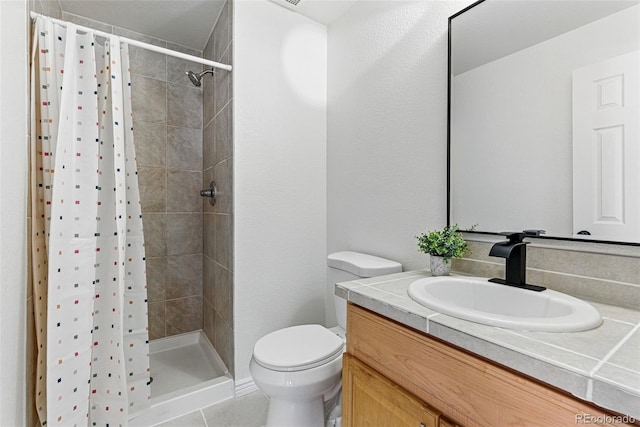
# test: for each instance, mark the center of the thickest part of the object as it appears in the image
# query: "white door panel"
(606, 148)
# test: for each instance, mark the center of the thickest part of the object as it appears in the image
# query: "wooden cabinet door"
(447, 423)
(371, 400)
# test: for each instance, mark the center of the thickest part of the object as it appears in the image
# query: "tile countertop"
(600, 366)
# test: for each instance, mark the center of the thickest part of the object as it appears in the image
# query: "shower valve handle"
(210, 192)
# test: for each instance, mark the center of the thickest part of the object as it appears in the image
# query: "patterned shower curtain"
(88, 259)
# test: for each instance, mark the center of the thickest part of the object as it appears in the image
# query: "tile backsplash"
(597, 272)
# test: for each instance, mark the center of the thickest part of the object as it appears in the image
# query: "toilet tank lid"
(363, 265)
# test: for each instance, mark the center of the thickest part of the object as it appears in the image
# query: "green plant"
(448, 243)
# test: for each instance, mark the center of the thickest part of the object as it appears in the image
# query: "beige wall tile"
(222, 31)
(224, 342)
(149, 99)
(208, 145)
(184, 276)
(183, 315)
(150, 140)
(156, 320)
(207, 177)
(209, 235)
(208, 100)
(184, 149)
(183, 191)
(208, 279)
(139, 37)
(223, 291)
(177, 68)
(184, 49)
(223, 135)
(223, 176)
(184, 105)
(154, 227)
(184, 233)
(147, 63)
(223, 245)
(86, 22)
(156, 276)
(222, 84)
(209, 322)
(153, 189)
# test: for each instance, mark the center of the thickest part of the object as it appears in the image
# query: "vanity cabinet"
(396, 376)
(376, 401)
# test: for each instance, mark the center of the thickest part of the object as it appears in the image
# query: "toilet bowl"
(299, 368)
(296, 367)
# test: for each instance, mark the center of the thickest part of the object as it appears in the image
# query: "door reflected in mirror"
(544, 127)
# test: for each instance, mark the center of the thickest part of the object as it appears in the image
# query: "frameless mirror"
(544, 118)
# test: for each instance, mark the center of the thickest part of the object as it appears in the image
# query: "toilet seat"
(297, 348)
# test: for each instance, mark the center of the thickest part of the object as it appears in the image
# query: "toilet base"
(296, 413)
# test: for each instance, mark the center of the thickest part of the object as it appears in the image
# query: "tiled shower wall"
(217, 165)
(167, 111)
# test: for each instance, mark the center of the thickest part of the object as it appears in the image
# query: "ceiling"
(185, 22)
(494, 29)
(322, 11)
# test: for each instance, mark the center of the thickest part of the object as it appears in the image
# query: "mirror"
(544, 118)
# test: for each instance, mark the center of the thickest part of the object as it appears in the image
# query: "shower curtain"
(88, 265)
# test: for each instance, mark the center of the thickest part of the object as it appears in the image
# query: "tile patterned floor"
(245, 411)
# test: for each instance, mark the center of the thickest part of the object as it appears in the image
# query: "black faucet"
(515, 253)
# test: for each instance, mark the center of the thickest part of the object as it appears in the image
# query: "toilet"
(299, 368)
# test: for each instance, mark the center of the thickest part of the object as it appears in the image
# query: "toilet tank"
(346, 266)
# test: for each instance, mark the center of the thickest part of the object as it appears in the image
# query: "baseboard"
(245, 386)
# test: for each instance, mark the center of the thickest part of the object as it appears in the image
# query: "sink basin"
(478, 300)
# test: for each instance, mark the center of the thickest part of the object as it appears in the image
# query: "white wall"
(387, 127)
(279, 78)
(492, 125)
(13, 198)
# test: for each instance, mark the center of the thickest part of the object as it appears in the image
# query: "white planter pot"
(440, 266)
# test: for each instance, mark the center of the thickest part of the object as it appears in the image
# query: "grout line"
(614, 349)
(513, 332)
(203, 418)
(624, 368)
(578, 276)
(624, 322)
(411, 276)
(222, 108)
(519, 351)
(403, 297)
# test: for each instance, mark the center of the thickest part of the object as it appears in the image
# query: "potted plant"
(442, 245)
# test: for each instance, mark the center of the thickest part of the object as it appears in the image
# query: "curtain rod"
(141, 44)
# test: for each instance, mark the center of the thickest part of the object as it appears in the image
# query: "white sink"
(478, 300)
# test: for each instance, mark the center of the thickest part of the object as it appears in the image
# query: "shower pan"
(188, 374)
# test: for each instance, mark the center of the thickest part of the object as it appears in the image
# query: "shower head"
(197, 77)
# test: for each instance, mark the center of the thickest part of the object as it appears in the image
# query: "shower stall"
(189, 268)
(183, 138)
